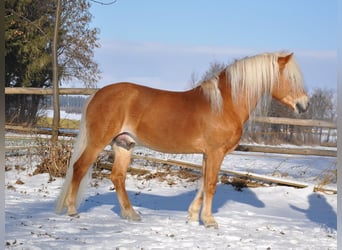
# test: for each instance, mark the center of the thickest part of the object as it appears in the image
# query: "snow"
(273, 217)
(63, 114)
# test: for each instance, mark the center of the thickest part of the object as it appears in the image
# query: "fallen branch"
(223, 171)
(248, 175)
(238, 173)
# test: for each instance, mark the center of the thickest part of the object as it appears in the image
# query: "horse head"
(290, 90)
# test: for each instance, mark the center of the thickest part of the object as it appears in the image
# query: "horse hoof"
(72, 212)
(210, 223)
(192, 219)
(193, 222)
(131, 215)
(76, 216)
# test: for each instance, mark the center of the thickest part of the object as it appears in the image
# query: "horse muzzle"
(302, 105)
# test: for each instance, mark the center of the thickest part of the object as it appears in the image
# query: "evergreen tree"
(28, 39)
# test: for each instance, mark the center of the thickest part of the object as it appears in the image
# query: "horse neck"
(242, 109)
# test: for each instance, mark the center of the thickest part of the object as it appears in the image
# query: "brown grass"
(327, 177)
(239, 182)
(165, 173)
(54, 159)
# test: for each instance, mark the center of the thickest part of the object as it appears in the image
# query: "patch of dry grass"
(240, 182)
(54, 159)
(63, 123)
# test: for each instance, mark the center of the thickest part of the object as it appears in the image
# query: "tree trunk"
(55, 80)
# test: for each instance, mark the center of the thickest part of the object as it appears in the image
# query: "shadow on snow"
(179, 202)
(319, 211)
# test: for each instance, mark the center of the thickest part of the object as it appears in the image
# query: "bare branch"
(102, 3)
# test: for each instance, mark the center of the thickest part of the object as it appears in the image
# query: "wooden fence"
(48, 91)
(267, 149)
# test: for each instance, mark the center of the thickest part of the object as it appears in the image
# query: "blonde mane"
(253, 76)
(212, 92)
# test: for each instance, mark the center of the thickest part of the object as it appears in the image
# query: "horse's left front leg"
(212, 167)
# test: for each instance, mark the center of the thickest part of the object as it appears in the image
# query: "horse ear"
(283, 60)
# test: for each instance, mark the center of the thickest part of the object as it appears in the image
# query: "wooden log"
(248, 175)
(223, 171)
(325, 190)
(280, 150)
(243, 174)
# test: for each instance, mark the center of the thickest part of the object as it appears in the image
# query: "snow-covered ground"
(63, 114)
(274, 217)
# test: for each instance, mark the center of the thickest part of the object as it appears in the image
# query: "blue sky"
(162, 43)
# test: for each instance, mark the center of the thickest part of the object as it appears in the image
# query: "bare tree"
(55, 78)
(104, 3)
(322, 107)
(215, 68)
(193, 79)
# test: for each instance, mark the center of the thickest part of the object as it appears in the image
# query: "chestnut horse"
(208, 119)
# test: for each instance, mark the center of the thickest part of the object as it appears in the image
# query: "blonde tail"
(79, 147)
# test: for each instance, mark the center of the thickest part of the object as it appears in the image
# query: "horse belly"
(169, 137)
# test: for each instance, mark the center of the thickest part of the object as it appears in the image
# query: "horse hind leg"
(123, 147)
(80, 169)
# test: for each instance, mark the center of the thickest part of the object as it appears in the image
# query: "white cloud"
(145, 47)
(169, 66)
(148, 47)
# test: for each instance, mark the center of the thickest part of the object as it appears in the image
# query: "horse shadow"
(178, 202)
(319, 211)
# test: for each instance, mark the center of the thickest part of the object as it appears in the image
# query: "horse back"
(168, 121)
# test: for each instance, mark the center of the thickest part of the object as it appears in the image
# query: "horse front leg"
(213, 163)
(196, 204)
(122, 159)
